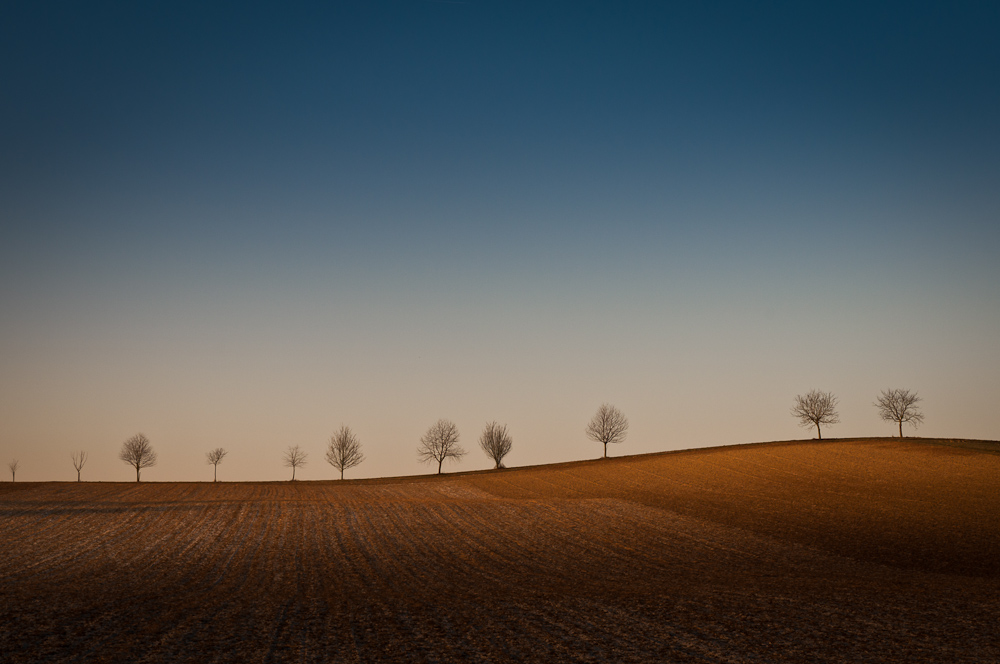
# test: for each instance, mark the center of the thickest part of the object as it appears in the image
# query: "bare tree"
(609, 425)
(79, 458)
(899, 406)
(440, 443)
(295, 458)
(13, 465)
(344, 450)
(138, 453)
(215, 457)
(816, 408)
(496, 442)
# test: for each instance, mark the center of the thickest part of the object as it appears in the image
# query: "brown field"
(840, 551)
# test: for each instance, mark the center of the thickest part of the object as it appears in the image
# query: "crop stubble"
(840, 551)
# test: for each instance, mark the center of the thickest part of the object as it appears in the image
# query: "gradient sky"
(243, 226)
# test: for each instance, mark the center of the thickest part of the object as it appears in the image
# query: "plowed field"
(841, 551)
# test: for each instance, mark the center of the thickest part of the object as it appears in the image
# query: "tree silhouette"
(215, 457)
(294, 458)
(13, 465)
(609, 425)
(816, 408)
(79, 458)
(138, 453)
(344, 450)
(496, 442)
(899, 406)
(440, 443)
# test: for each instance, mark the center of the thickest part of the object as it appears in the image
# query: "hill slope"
(836, 551)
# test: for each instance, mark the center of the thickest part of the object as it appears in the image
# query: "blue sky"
(244, 225)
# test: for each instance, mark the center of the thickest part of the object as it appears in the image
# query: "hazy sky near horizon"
(240, 225)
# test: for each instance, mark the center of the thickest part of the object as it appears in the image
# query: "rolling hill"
(833, 551)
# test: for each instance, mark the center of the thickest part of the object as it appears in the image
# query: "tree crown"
(609, 425)
(344, 450)
(440, 443)
(496, 442)
(295, 457)
(816, 408)
(899, 406)
(138, 452)
(216, 456)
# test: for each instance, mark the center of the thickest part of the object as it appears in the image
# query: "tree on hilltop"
(295, 457)
(215, 457)
(344, 450)
(609, 425)
(496, 442)
(79, 458)
(13, 465)
(816, 408)
(899, 406)
(138, 453)
(440, 443)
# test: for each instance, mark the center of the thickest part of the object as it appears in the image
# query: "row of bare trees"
(342, 452)
(817, 408)
(441, 441)
(79, 458)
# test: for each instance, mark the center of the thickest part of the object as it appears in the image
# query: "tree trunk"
(901, 428)
(78, 476)
(293, 473)
(818, 432)
(440, 461)
(137, 473)
(605, 450)
(215, 476)
(341, 473)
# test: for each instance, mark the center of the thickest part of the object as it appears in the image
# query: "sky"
(244, 225)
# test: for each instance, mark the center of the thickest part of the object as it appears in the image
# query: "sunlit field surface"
(833, 551)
